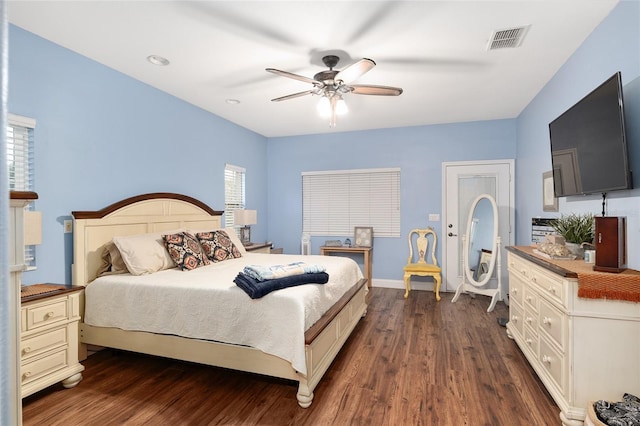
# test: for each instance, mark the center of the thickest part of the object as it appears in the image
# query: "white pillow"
(230, 231)
(145, 253)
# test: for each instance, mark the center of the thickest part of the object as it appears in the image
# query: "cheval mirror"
(481, 264)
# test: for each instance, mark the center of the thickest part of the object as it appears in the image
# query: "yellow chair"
(421, 267)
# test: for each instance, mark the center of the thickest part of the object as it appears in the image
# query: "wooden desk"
(367, 252)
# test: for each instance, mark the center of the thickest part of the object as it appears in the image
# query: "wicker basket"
(592, 417)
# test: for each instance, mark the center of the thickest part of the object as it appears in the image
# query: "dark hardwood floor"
(409, 362)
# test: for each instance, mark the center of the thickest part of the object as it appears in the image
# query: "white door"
(463, 182)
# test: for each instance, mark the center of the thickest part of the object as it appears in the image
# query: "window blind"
(234, 191)
(20, 164)
(20, 152)
(334, 202)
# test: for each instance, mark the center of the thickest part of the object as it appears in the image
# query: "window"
(20, 152)
(20, 164)
(334, 202)
(234, 177)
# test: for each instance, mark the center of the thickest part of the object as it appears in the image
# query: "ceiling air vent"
(511, 37)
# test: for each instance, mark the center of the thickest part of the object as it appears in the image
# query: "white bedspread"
(206, 304)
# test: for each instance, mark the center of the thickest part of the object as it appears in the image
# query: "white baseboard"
(415, 285)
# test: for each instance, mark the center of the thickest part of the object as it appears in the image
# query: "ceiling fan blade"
(292, 75)
(355, 70)
(293, 95)
(359, 89)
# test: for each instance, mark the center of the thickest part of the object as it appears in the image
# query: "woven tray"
(36, 289)
(599, 285)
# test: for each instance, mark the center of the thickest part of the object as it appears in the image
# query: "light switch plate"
(68, 226)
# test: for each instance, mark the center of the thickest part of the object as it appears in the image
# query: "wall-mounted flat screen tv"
(589, 145)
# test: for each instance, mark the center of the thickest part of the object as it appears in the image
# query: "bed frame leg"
(304, 395)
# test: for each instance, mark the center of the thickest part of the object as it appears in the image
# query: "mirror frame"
(467, 241)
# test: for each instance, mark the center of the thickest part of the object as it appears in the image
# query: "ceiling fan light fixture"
(330, 106)
(341, 107)
(331, 84)
(324, 107)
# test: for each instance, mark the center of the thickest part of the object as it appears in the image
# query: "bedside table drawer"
(44, 342)
(41, 367)
(44, 314)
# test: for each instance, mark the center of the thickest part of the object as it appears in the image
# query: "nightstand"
(259, 247)
(366, 252)
(49, 317)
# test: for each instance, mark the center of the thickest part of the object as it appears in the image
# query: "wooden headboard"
(155, 212)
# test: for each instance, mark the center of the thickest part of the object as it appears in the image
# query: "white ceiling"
(435, 50)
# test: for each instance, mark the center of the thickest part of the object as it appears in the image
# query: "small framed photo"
(549, 201)
(363, 236)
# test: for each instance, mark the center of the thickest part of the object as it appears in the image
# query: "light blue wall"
(102, 136)
(613, 46)
(417, 151)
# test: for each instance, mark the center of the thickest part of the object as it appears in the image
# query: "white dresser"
(582, 349)
(49, 338)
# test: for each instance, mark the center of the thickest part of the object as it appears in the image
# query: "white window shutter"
(234, 191)
(335, 202)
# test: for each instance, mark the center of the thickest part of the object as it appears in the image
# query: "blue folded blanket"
(256, 289)
(262, 273)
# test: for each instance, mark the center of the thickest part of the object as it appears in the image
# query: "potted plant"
(576, 229)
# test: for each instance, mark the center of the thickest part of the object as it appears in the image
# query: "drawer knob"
(552, 290)
(49, 314)
(529, 341)
(529, 298)
(546, 359)
(26, 350)
(529, 320)
(514, 291)
(534, 279)
(26, 374)
(514, 318)
(546, 321)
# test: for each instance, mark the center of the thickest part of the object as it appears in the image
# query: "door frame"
(505, 241)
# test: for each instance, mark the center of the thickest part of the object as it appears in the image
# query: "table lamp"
(244, 218)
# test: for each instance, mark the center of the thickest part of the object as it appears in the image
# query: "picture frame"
(484, 260)
(549, 200)
(363, 236)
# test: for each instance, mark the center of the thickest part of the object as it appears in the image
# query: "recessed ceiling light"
(158, 60)
(232, 101)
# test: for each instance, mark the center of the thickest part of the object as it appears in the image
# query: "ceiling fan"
(331, 85)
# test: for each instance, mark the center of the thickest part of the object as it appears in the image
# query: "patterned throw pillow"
(185, 250)
(218, 246)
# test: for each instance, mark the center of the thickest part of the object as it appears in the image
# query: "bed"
(318, 318)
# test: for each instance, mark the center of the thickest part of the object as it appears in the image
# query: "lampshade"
(245, 217)
(324, 107)
(330, 105)
(32, 228)
(341, 107)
